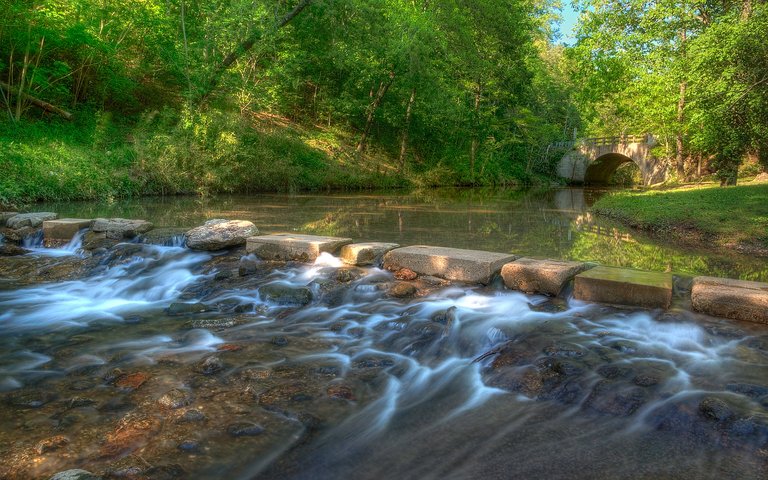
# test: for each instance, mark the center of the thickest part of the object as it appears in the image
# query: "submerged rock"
(210, 365)
(283, 294)
(220, 234)
(9, 250)
(175, 398)
(187, 308)
(245, 429)
(75, 474)
(51, 444)
(402, 290)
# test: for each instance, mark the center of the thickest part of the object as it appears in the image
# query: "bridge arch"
(593, 160)
(600, 170)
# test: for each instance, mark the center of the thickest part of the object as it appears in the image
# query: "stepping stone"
(286, 246)
(64, 228)
(119, 228)
(361, 254)
(736, 299)
(471, 266)
(33, 220)
(540, 276)
(220, 234)
(624, 286)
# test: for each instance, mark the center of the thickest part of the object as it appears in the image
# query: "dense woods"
(110, 98)
(693, 74)
(450, 92)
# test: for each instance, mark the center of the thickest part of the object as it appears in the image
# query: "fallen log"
(36, 101)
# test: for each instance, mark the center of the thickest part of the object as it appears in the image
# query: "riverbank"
(100, 156)
(733, 218)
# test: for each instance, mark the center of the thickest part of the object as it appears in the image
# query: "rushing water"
(291, 371)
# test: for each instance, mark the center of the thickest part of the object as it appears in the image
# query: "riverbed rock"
(736, 299)
(245, 429)
(624, 286)
(402, 290)
(286, 246)
(175, 398)
(220, 234)
(11, 250)
(210, 365)
(64, 228)
(33, 220)
(540, 276)
(180, 308)
(283, 294)
(75, 474)
(120, 228)
(471, 266)
(362, 254)
(50, 444)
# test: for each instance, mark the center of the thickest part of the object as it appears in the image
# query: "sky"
(570, 17)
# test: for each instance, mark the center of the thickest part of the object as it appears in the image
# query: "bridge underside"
(600, 171)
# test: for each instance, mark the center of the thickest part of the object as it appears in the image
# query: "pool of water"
(552, 223)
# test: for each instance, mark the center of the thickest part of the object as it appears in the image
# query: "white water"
(425, 366)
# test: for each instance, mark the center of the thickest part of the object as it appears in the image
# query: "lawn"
(730, 217)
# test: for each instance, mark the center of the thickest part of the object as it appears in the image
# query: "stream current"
(153, 361)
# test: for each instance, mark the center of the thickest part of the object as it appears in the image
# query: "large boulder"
(4, 216)
(119, 228)
(220, 234)
(33, 220)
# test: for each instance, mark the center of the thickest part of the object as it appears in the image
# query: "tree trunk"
(475, 136)
(404, 141)
(35, 101)
(244, 47)
(383, 87)
(680, 161)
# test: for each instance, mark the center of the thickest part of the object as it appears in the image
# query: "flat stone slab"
(64, 228)
(624, 286)
(220, 234)
(471, 266)
(33, 220)
(119, 228)
(736, 299)
(540, 276)
(288, 246)
(361, 254)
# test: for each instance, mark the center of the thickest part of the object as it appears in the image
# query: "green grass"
(728, 216)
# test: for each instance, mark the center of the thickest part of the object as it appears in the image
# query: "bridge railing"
(601, 141)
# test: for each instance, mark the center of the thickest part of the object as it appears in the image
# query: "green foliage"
(451, 92)
(694, 75)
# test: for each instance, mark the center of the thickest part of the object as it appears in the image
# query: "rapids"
(153, 361)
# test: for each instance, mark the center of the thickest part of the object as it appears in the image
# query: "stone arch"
(600, 170)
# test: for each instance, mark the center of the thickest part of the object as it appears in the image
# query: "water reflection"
(551, 223)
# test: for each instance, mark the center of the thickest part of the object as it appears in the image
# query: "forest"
(104, 99)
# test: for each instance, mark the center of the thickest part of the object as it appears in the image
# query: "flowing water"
(148, 360)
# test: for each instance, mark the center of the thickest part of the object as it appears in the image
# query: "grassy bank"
(166, 153)
(733, 217)
(101, 156)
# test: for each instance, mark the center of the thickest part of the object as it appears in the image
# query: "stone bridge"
(593, 160)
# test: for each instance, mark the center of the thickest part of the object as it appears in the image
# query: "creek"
(148, 360)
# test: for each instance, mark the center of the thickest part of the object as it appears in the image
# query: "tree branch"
(245, 46)
(36, 101)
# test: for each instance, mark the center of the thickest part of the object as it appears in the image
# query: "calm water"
(540, 223)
